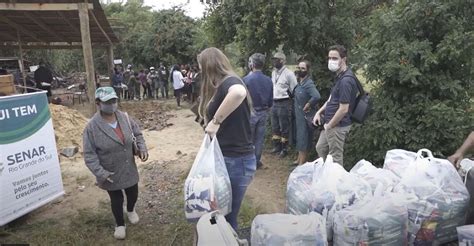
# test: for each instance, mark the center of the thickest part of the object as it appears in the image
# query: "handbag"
(134, 139)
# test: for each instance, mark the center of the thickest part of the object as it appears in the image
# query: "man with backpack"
(335, 114)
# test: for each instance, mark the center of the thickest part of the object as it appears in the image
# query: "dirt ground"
(172, 148)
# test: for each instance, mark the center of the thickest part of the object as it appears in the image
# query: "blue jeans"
(257, 126)
(241, 171)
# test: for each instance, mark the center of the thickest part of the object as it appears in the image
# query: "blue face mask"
(108, 108)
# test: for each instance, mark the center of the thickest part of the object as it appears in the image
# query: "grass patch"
(247, 213)
(96, 227)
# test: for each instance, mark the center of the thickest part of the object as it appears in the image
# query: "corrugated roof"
(51, 27)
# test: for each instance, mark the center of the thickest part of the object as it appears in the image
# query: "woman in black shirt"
(225, 107)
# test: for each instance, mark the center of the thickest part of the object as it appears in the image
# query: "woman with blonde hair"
(225, 107)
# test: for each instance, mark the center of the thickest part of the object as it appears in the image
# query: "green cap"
(105, 93)
(279, 55)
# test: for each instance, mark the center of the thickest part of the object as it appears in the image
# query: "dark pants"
(118, 91)
(116, 200)
(257, 126)
(147, 90)
(241, 171)
(470, 189)
(177, 94)
(281, 120)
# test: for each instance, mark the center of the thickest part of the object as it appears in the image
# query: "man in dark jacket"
(260, 88)
(163, 80)
(43, 79)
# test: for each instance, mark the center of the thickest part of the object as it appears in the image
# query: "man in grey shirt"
(284, 81)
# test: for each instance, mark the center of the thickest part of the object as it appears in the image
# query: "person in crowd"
(117, 81)
(178, 84)
(134, 86)
(284, 82)
(195, 83)
(187, 90)
(142, 80)
(466, 147)
(147, 91)
(126, 80)
(153, 78)
(306, 97)
(43, 78)
(260, 88)
(335, 114)
(225, 106)
(163, 79)
(109, 154)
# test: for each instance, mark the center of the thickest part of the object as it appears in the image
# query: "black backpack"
(363, 104)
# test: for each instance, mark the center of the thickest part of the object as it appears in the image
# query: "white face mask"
(333, 66)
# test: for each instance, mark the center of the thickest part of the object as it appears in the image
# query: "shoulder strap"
(130, 127)
(359, 85)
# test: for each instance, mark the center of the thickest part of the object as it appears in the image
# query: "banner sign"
(30, 175)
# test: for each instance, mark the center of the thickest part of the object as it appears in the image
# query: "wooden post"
(110, 60)
(87, 51)
(22, 64)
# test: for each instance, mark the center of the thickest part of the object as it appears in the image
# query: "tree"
(307, 27)
(174, 34)
(137, 35)
(418, 55)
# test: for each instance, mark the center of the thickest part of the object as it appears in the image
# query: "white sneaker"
(133, 217)
(119, 232)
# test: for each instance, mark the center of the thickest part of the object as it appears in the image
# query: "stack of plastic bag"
(375, 176)
(380, 221)
(299, 194)
(466, 235)
(287, 229)
(330, 189)
(207, 187)
(436, 198)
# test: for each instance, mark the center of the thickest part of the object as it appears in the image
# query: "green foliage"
(307, 27)
(174, 34)
(420, 54)
(150, 37)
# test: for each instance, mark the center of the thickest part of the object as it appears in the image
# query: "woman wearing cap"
(109, 154)
(225, 106)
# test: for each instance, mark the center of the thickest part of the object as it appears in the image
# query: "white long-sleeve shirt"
(177, 80)
(283, 80)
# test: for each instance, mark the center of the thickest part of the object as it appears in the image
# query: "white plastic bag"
(332, 188)
(437, 199)
(207, 187)
(466, 235)
(398, 161)
(299, 194)
(382, 220)
(288, 229)
(464, 167)
(375, 176)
